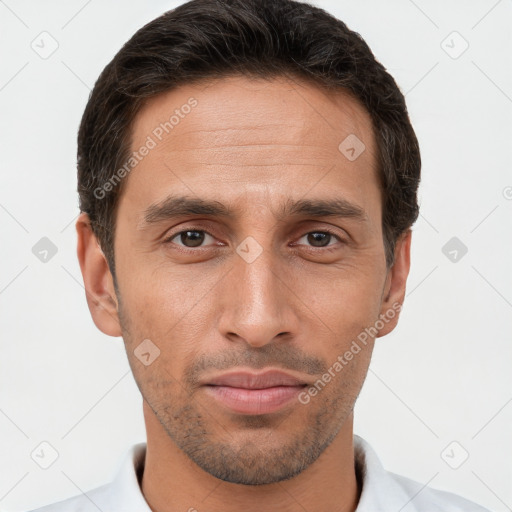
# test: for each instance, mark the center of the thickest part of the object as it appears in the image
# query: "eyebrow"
(180, 206)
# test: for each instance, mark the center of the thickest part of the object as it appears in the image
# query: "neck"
(171, 482)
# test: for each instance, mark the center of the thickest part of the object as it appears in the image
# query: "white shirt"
(382, 491)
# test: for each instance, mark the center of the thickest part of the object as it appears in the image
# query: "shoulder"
(385, 490)
(429, 499)
(92, 501)
(123, 494)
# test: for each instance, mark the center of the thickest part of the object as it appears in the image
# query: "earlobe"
(396, 280)
(98, 281)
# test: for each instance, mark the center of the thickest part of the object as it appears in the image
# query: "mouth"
(254, 393)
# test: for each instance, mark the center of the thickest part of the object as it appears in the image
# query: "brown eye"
(320, 238)
(189, 238)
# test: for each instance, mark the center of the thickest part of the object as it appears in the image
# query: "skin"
(252, 145)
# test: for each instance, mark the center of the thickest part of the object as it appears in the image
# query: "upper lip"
(248, 380)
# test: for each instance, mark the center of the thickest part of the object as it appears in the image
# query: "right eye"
(194, 237)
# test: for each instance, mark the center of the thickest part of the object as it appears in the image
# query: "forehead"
(255, 105)
(240, 136)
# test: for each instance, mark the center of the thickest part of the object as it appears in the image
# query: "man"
(247, 175)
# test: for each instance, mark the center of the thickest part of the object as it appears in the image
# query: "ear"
(98, 281)
(394, 288)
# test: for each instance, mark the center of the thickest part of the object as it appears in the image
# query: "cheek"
(172, 310)
(161, 296)
(345, 299)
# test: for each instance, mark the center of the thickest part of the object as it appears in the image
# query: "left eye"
(319, 238)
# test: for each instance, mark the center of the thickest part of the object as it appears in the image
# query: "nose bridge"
(257, 309)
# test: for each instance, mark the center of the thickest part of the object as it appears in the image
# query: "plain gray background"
(439, 387)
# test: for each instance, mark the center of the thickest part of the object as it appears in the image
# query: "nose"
(258, 305)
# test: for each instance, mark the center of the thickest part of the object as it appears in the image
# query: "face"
(249, 240)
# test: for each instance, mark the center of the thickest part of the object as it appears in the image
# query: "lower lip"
(254, 401)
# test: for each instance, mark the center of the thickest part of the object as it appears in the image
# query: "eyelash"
(328, 248)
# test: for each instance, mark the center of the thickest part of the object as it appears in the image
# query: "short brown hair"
(204, 39)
